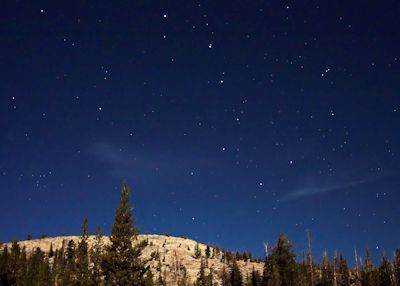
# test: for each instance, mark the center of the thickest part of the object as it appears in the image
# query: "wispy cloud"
(120, 164)
(311, 191)
(133, 164)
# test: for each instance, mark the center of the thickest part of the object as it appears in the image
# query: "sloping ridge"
(175, 254)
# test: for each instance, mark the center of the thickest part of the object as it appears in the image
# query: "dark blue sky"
(231, 121)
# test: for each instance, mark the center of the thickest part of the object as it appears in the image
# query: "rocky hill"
(175, 254)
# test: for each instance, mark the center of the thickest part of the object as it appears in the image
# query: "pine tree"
(244, 256)
(82, 256)
(23, 264)
(225, 280)
(38, 272)
(326, 271)
(238, 256)
(385, 272)
(247, 280)
(309, 277)
(368, 261)
(369, 275)
(344, 275)
(197, 251)
(250, 256)
(14, 262)
(236, 275)
(284, 259)
(275, 276)
(59, 264)
(210, 278)
(227, 256)
(267, 270)
(122, 264)
(396, 267)
(51, 251)
(255, 278)
(303, 272)
(5, 278)
(207, 252)
(96, 258)
(201, 277)
(68, 275)
(46, 277)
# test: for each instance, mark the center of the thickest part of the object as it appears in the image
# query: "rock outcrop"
(174, 254)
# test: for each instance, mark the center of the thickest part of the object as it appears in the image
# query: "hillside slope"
(175, 254)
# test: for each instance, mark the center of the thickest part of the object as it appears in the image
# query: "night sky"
(232, 121)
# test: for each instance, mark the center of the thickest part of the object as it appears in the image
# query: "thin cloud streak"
(128, 164)
(121, 165)
(311, 191)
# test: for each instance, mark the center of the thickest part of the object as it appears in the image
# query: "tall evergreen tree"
(38, 272)
(369, 275)
(368, 261)
(210, 278)
(14, 262)
(122, 264)
(245, 256)
(23, 265)
(267, 270)
(385, 272)
(46, 272)
(225, 280)
(208, 252)
(96, 255)
(201, 277)
(68, 274)
(344, 275)
(197, 251)
(396, 267)
(236, 275)
(51, 251)
(5, 278)
(284, 258)
(59, 263)
(303, 273)
(255, 278)
(275, 276)
(82, 256)
(247, 280)
(326, 271)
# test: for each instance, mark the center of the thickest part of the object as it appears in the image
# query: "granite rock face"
(175, 254)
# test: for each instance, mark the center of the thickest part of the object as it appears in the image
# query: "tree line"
(120, 263)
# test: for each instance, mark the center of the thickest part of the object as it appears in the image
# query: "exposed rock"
(175, 254)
